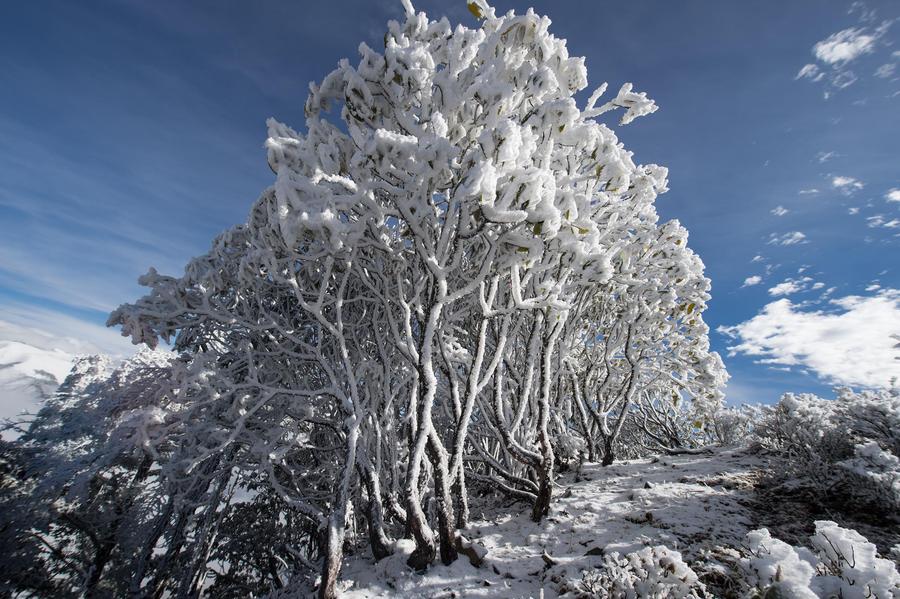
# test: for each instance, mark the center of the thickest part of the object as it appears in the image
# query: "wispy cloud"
(846, 185)
(893, 195)
(851, 345)
(885, 71)
(809, 191)
(792, 238)
(835, 53)
(879, 220)
(809, 71)
(779, 211)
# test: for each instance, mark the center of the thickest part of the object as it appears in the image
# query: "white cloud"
(757, 258)
(879, 220)
(835, 53)
(779, 211)
(826, 156)
(885, 71)
(893, 195)
(851, 346)
(809, 191)
(853, 210)
(751, 281)
(845, 46)
(846, 184)
(789, 286)
(785, 288)
(792, 238)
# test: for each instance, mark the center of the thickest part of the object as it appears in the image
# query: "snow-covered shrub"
(732, 426)
(651, 573)
(773, 564)
(877, 471)
(842, 563)
(849, 446)
(849, 566)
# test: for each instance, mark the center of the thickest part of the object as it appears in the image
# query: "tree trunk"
(461, 495)
(334, 544)
(446, 530)
(378, 539)
(417, 523)
(545, 470)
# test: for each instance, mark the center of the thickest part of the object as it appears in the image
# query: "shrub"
(652, 572)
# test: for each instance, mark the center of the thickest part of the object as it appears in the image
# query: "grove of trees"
(457, 286)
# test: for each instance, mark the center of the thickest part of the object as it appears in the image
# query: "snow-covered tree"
(457, 269)
(83, 481)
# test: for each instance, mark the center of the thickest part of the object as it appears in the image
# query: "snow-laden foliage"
(457, 279)
(773, 564)
(458, 274)
(841, 563)
(651, 573)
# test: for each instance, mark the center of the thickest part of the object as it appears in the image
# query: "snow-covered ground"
(687, 502)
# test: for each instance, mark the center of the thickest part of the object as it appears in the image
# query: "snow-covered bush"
(849, 566)
(842, 563)
(650, 573)
(846, 450)
(732, 426)
(839, 564)
(771, 564)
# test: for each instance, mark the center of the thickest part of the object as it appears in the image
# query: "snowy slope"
(28, 375)
(688, 503)
(37, 349)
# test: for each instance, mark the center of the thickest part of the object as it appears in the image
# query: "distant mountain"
(29, 375)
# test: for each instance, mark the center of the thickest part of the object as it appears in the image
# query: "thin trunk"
(378, 539)
(337, 522)
(437, 455)
(545, 470)
(461, 494)
(417, 522)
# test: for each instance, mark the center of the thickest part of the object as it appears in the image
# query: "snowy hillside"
(28, 375)
(36, 355)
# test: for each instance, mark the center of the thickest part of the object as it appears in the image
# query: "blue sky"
(132, 132)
